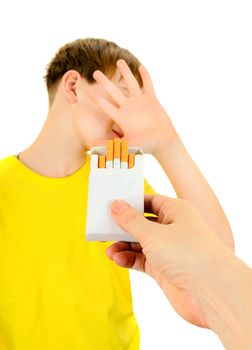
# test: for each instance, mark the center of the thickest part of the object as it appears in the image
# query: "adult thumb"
(130, 219)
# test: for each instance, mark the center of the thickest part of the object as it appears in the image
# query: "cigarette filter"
(124, 154)
(109, 154)
(131, 160)
(117, 153)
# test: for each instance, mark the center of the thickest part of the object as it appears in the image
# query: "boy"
(58, 291)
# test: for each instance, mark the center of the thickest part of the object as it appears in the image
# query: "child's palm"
(140, 116)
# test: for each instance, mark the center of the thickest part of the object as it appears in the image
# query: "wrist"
(167, 144)
(225, 294)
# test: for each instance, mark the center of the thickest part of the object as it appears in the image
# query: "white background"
(199, 56)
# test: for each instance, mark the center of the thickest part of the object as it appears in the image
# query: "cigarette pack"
(107, 185)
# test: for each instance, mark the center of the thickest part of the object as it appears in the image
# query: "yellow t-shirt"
(57, 291)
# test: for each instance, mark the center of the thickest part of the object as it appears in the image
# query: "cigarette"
(101, 161)
(109, 154)
(131, 160)
(117, 152)
(124, 154)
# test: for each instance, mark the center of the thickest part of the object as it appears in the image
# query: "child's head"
(70, 74)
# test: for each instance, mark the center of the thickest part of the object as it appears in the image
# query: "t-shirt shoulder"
(5, 165)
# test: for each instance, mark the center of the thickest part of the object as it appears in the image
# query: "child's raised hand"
(140, 116)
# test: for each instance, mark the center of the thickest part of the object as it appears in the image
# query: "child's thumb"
(130, 220)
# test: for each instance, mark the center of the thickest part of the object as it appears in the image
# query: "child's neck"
(56, 152)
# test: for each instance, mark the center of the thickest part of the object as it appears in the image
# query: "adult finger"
(162, 206)
(154, 202)
(132, 260)
(123, 246)
(130, 220)
(126, 258)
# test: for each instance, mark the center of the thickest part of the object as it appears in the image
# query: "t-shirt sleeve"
(148, 190)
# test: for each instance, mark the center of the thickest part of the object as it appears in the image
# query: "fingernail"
(120, 61)
(118, 206)
(108, 254)
(96, 73)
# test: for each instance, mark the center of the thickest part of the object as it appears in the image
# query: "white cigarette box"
(107, 185)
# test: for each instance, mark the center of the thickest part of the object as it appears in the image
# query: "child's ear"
(71, 86)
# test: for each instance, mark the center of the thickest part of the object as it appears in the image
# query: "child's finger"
(110, 87)
(106, 106)
(129, 78)
(147, 82)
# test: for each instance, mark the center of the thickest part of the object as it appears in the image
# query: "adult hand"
(176, 250)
